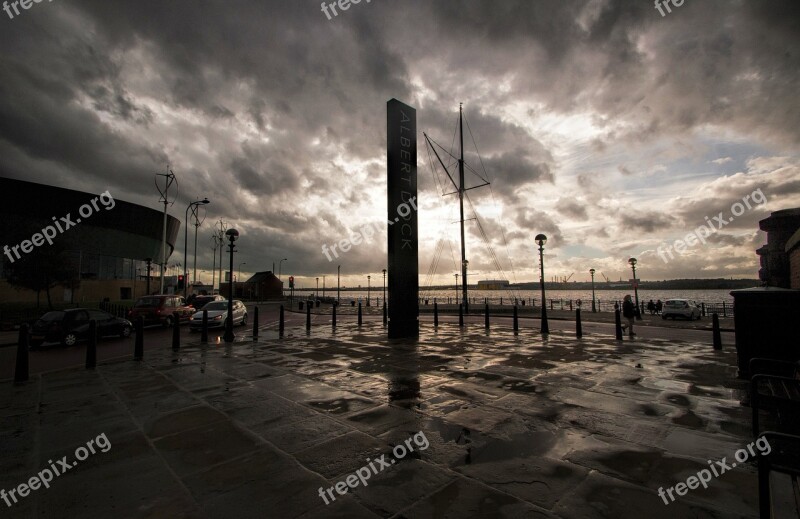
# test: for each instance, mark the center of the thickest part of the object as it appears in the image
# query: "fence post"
(386, 314)
(360, 317)
(21, 367)
(516, 321)
(617, 322)
(461, 314)
(703, 309)
(716, 332)
(91, 347)
(435, 314)
(724, 310)
(486, 323)
(281, 322)
(333, 316)
(255, 323)
(176, 331)
(308, 317)
(138, 345)
(578, 329)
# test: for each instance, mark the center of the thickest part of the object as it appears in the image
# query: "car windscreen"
(216, 305)
(676, 304)
(148, 301)
(53, 316)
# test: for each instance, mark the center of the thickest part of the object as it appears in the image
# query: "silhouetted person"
(629, 313)
(651, 307)
(659, 306)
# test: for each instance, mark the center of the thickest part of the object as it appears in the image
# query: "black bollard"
(460, 314)
(333, 317)
(138, 345)
(435, 314)
(486, 319)
(386, 314)
(578, 328)
(516, 319)
(717, 334)
(255, 323)
(204, 329)
(360, 319)
(21, 368)
(703, 309)
(176, 331)
(617, 322)
(308, 318)
(281, 323)
(91, 347)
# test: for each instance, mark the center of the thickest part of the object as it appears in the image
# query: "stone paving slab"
(516, 425)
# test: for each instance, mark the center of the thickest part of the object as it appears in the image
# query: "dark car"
(159, 309)
(200, 301)
(70, 326)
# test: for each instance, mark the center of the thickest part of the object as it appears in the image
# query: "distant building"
(493, 284)
(261, 286)
(781, 228)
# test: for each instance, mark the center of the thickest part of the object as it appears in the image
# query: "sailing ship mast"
(460, 189)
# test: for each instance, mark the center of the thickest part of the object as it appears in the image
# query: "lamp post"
(214, 263)
(280, 265)
(384, 286)
(316, 293)
(456, 275)
(633, 262)
(186, 242)
(368, 289)
(541, 239)
(323, 286)
(338, 278)
(149, 261)
(232, 235)
(466, 287)
(594, 308)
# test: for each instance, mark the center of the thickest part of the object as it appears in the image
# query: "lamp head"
(205, 201)
(232, 234)
(541, 239)
(591, 271)
(632, 261)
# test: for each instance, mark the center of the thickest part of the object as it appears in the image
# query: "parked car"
(70, 326)
(159, 309)
(218, 315)
(200, 301)
(685, 308)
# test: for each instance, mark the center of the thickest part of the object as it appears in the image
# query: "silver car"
(218, 315)
(685, 308)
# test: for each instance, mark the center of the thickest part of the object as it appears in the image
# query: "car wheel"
(126, 332)
(70, 339)
(168, 321)
(244, 320)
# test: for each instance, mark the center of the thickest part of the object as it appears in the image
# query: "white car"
(685, 308)
(218, 315)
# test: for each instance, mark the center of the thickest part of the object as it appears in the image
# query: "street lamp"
(368, 289)
(186, 242)
(541, 239)
(232, 235)
(466, 287)
(316, 294)
(594, 308)
(279, 266)
(633, 262)
(456, 275)
(338, 277)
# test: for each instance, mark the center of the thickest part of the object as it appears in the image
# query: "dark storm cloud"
(572, 208)
(277, 114)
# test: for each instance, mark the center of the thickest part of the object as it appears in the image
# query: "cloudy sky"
(603, 124)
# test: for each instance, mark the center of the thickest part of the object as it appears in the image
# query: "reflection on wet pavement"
(519, 426)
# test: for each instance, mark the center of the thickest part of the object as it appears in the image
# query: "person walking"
(629, 313)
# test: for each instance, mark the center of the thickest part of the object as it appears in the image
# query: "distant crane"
(605, 277)
(568, 278)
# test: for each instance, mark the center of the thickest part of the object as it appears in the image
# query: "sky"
(609, 127)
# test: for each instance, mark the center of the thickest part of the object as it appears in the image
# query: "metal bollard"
(551, 304)
(486, 320)
(91, 347)
(138, 345)
(516, 319)
(617, 322)
(570, 305)
(255, 323)
(578, 328)
(703, 309)
(176, 331)
(716, 332)
(308, 318)
(435, 314)
(21, 367)
(281, 322)
(386, 313)
(460, 314)
(360, 319)
(333, 317)
(204, 328)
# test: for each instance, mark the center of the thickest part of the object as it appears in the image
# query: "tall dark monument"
(401, 144)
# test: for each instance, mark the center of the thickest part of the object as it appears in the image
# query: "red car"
(160, 310)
